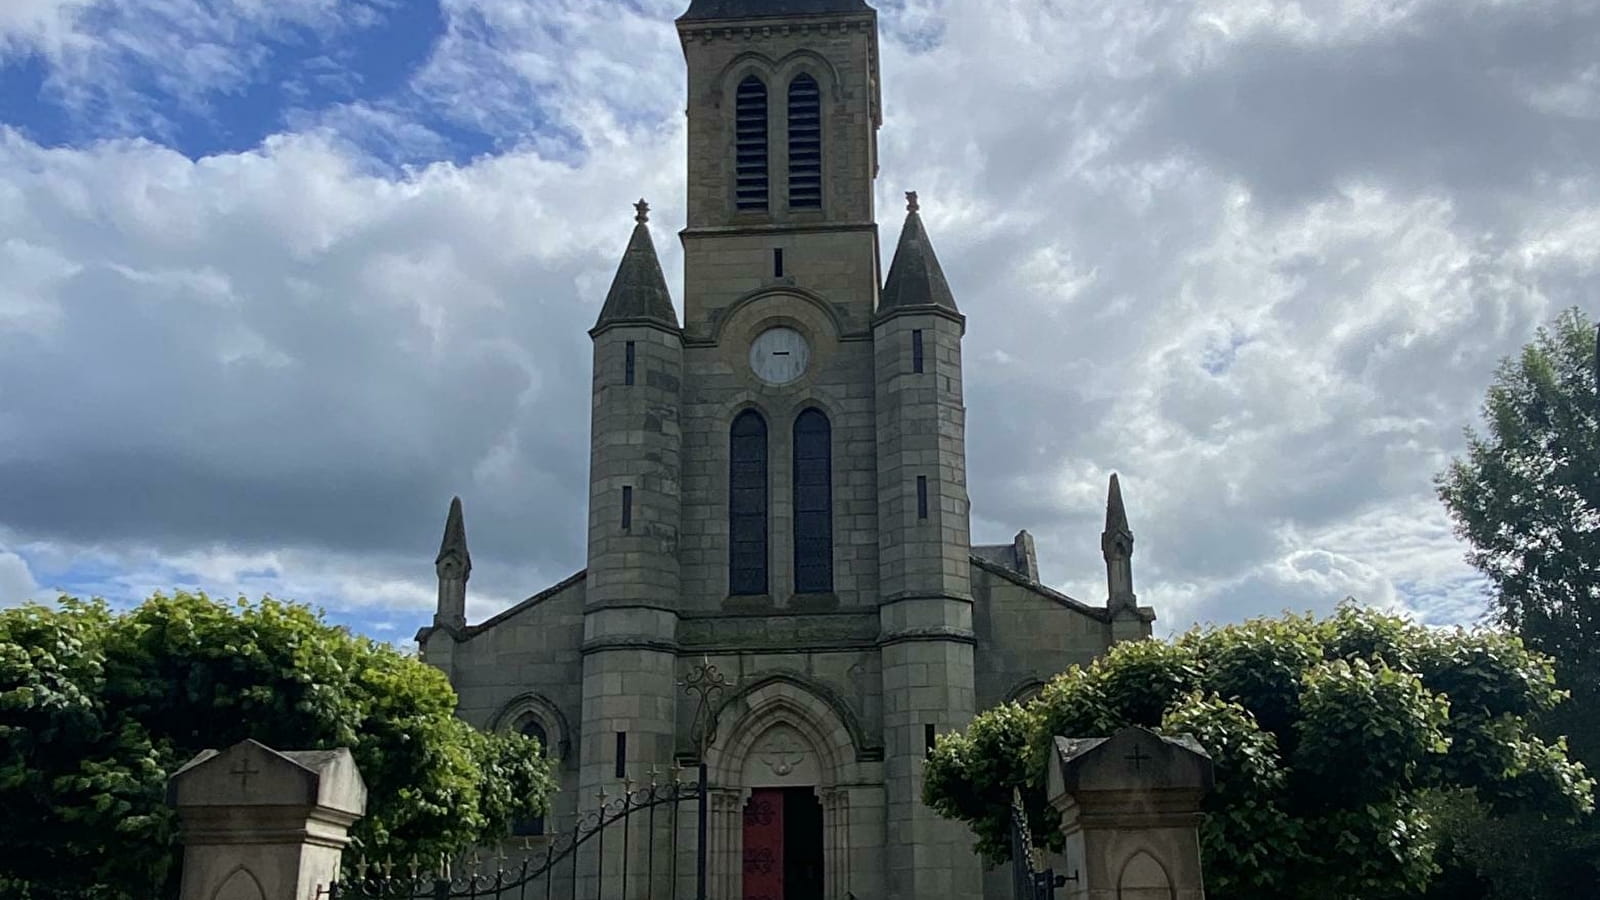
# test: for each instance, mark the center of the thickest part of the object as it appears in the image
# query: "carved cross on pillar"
(1138, 757)
(244, 770)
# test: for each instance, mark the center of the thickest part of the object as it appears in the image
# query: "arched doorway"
(782, 857)
(782, 783)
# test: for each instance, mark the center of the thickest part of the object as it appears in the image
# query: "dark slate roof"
(639, 292)
(756, 9)
(915, 278)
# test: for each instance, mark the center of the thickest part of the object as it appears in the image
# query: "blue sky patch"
(282, 78)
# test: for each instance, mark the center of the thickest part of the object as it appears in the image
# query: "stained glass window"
(747, 505)
(813, 503)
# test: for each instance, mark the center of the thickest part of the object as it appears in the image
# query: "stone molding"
(549, 715)
(924, 309)
(795, 632)
(635, 322)
(628, 642)
(834, 24)
(802, 685)
(930, 633)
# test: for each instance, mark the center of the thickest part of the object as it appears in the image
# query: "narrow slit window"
(805, 143)
(928, 736)
(777, 263)
(747, 505)
(916, 351)
(627, 507)
(628, 362)
(813, 503)
(622, 754)
(750, 145)
(922, 496)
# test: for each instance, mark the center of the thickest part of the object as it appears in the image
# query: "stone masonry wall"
(841, 56)
(718, 384)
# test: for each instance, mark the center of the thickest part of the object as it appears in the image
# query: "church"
(778, 488)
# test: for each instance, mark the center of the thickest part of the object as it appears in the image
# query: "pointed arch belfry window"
(813, 503)
(747, 505)
(805, 143)
(750, 145)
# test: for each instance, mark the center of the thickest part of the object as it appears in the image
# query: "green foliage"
(1327, 736)
(97, 708)
(1526, 496)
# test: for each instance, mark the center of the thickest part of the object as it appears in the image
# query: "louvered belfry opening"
(805, 143)
(750, 142)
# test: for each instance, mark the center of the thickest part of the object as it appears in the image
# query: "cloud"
(16, 580)
(1259, 258)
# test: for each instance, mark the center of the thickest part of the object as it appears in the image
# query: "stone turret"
(924, 548)
(1129, 620)
(632, 586)
(634, 438)
(1116, 545)
(453, 566)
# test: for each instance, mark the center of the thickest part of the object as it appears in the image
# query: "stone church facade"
(778, 488)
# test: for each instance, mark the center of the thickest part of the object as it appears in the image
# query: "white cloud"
(16, 580)
(269, 370)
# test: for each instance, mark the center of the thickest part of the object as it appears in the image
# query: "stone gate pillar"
(1130, 810)
(260, 824)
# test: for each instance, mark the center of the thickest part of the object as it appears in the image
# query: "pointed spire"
(1116, 545)
(639, 290)
(1116, 513)
(453, 566)
(455, 539)
(915, 277)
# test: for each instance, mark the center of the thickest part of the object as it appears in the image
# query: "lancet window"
(813, 503)
(747, 505)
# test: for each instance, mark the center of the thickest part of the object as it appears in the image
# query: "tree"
(1328, 737)
(97, 708)
(1526, 497)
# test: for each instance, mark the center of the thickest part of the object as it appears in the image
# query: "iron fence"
(654, 805)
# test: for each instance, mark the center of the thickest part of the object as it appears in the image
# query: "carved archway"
(240, 885)
(779, 734)
(1143, 878)
(515, 715)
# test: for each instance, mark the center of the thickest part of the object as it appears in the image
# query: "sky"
(280, 277)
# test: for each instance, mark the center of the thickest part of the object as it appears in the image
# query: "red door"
(763, 845)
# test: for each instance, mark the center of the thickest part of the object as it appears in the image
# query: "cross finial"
(911, 201)
(642, 211)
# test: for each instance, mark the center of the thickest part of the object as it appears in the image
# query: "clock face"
(779, 355)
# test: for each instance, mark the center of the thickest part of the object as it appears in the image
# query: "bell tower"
(783, 120)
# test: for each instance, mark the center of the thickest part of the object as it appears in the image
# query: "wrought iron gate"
(1028, 882)
(612, 825)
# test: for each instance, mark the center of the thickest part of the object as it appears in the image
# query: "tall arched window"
(534, 826)
(813, 503)
(747, 505)
(805, 143)
(750, 144)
